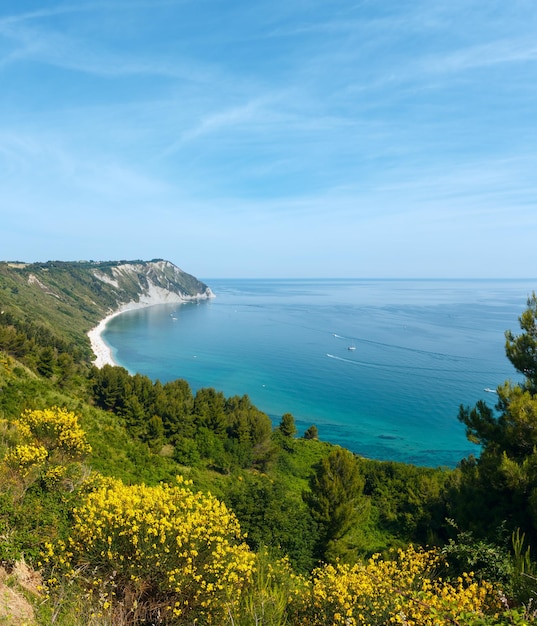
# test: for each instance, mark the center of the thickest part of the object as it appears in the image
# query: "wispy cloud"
(34, 37)
(500, 52)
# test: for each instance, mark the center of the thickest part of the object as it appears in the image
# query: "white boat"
(351, 348)
(489, 390)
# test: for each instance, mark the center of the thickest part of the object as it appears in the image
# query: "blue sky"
(272, 138)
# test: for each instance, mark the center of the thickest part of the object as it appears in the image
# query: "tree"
(272, 518)
(110, 384)
(311, 432)
(67, 369)
(513, 431)
(521, 349)
(155, 431)
(173, 402)
(503, 479)
(287, 425)
(209, 409)
(336, 491)
(251, 429)
(45, 362)
(513, 428)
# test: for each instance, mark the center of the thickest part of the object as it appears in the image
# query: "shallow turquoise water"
(422, 348)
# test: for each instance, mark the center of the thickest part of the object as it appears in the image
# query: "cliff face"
(150, 282)
(73, 297)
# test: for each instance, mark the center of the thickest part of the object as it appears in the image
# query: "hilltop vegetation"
(145, 503)
(59, 301)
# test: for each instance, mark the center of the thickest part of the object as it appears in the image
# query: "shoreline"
(102, 351)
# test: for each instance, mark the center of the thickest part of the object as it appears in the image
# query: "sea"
(380, 367)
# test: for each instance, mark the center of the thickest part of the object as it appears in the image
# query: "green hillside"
(139, 502)
(70, 298)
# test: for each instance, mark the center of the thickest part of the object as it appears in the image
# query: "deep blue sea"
(421, 348)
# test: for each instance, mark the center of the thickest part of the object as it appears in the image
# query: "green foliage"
(503, 481)
(521, 616)
(513, 431)
(335, 501)
(489, 561)
(407, 502)
(46, 362)
(274, 518)
(524, 580)
(521, 349)
(225, 432)
(287, 426)
(27, 524)
(265, 599)
(39, 473)
(186, 452)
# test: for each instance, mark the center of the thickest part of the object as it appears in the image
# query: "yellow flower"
(403, 590)
(25, 457)
(199, 562)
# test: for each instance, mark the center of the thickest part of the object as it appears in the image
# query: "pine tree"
(287, 426)
(336, 492)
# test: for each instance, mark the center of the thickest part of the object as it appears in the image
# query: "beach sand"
(101, 350)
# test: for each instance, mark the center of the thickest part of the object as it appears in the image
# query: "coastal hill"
(70, 298)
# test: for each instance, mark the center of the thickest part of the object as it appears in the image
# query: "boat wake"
(397, 368)
(352, 361)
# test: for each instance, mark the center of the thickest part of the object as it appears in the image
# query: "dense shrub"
(404, 590)
(155, 553)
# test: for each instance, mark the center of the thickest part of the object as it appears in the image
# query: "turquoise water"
(422, 348)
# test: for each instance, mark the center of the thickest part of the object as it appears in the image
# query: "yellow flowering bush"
(404, 590)
(159, 553)
(58, 430)
(25, 457)
(46, 444)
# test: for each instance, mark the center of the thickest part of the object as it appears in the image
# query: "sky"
(272, 138)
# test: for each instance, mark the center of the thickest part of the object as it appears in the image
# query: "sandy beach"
(155, 295)
(103, 353)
